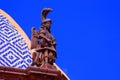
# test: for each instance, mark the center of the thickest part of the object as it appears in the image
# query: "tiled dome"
(14, 51)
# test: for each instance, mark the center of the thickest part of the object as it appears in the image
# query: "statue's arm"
(54, 43)
(44, 37)
(34, 38)
(34, 33)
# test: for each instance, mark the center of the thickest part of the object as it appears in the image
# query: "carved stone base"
(46, 72)
(48, 66)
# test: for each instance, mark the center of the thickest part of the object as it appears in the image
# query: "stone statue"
(43, 44)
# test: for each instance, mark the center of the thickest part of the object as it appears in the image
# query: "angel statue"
(43, 44)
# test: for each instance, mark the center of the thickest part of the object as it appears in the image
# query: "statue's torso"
(48, 35)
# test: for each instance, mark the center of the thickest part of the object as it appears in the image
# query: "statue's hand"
(33, 28)
(54, 42)
(49, 40)
(34, 32)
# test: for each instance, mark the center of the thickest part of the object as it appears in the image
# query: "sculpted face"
(48, 24)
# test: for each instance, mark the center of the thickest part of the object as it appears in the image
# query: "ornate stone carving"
(43, 44)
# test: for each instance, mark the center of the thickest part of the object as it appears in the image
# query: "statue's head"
(47, 23)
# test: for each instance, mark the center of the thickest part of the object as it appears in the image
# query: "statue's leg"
(37, 62)
(33, 57)
(46, 56)
(41, 58)
(51, 58)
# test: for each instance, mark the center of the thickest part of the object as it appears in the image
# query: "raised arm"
(34, 38)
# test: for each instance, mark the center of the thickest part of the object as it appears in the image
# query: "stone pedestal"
(45, 72)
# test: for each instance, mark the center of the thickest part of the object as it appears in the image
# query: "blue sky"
(87, 34)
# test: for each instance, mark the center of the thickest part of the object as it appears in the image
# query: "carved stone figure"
(43, 44)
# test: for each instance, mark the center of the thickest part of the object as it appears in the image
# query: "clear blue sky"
(87, 34)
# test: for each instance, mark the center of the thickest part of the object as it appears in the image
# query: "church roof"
(15, 45)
